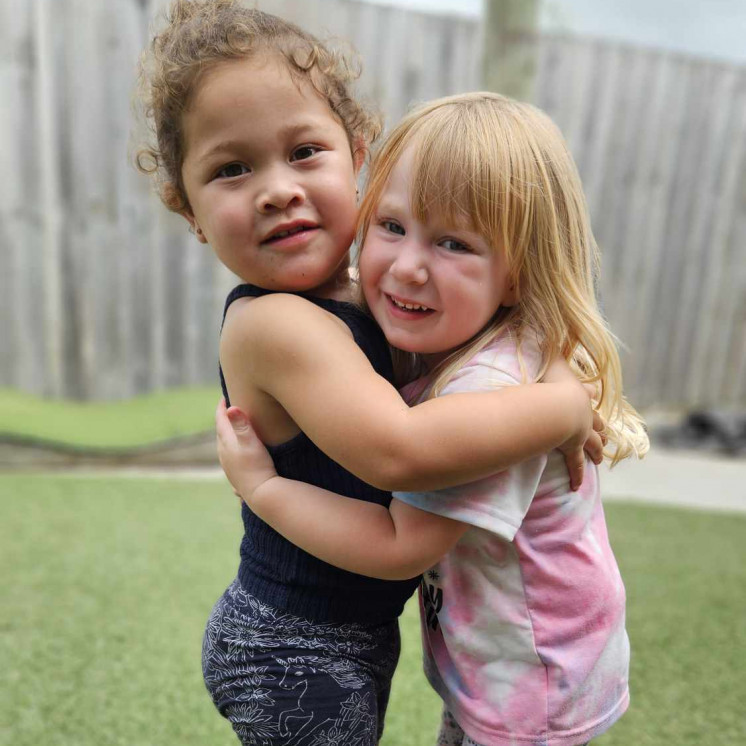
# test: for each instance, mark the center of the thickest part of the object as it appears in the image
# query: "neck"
(337, 287)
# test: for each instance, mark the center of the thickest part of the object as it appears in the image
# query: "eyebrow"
(223, 145)
(387, 204)
(286, 131)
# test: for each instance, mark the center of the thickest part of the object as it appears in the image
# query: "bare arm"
(301, 357)
(394, 544)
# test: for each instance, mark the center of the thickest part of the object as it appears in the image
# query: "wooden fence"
(104, 294)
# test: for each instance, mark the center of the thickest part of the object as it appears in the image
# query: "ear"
(189, 217)
(511, 296)
(359, 151)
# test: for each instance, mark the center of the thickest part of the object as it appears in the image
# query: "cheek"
(373, 263)
(230, 216)
(473, 298)
(337, 208)
(367, 279)
(338, 186)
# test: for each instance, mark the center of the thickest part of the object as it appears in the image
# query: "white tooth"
(409, 306)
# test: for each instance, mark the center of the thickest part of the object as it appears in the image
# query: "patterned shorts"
(281, 679)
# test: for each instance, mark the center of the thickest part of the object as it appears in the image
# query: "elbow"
(387, 477)
(397, 470)
(403, 565)
(398, 457)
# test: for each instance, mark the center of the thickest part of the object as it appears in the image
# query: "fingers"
(236, 416)
(599, 428)
(575, 462)
(594, 447)
(231, 418)
(223, 425)
(593, 390)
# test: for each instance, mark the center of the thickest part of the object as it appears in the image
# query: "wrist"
(261, 497)
(580, 408)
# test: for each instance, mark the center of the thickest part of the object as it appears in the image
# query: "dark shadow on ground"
(712, 431)
(21, 453)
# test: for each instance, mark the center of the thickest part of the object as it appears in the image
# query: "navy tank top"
(275, 570)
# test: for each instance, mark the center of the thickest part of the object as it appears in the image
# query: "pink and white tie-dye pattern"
(523, 621)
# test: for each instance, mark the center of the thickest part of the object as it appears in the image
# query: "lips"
(288, 230)
(408, 307)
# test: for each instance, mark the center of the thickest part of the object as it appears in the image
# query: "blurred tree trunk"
(510, 47)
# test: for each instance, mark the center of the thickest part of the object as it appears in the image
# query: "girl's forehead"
(255, 99)
(244, 77)
(423, 187)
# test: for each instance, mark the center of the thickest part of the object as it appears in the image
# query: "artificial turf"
(107, 583)
(150, 418)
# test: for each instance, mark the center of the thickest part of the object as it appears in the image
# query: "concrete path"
(689, 478)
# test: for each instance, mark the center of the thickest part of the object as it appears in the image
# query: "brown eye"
(232, 170)
(305, 151)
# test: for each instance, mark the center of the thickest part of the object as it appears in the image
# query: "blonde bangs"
(451, 177)
(450, 181)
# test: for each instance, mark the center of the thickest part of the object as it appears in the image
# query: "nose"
(279, 190)
(410, 263)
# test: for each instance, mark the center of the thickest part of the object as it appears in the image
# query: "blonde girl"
(478, 260)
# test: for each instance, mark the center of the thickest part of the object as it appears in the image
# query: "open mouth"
(409, 307)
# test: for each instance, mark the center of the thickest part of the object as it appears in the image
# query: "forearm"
(359, 419)
(355, 535)
(440, 446)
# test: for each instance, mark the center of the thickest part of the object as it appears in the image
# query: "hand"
(589, 438)
(245, 460)
(559, 371)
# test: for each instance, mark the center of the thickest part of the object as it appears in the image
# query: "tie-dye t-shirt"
(523, 620)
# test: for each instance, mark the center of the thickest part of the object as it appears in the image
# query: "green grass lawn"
(107, 583)
(119, 424)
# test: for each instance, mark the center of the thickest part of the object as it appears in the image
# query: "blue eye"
(392, 227)
(453, 245)
(305, 151)
(232, 170)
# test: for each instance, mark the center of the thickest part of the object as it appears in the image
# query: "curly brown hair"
(202, 33)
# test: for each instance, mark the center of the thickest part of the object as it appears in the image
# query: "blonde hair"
(202, 33)
(503, 168)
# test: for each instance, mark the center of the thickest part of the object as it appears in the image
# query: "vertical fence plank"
(633, 250)
(664, 308)
(18, 366)
(48, 146)
(719, 260)
(696, 246)
(649, 228)
(735, 363)
(599, 116)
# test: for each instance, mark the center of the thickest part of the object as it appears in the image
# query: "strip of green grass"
(120, 424)
(107, 583)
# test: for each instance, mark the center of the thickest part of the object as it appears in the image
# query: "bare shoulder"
(278, 330)
(273, 319)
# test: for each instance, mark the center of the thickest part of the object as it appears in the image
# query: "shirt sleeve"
(499, 502)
